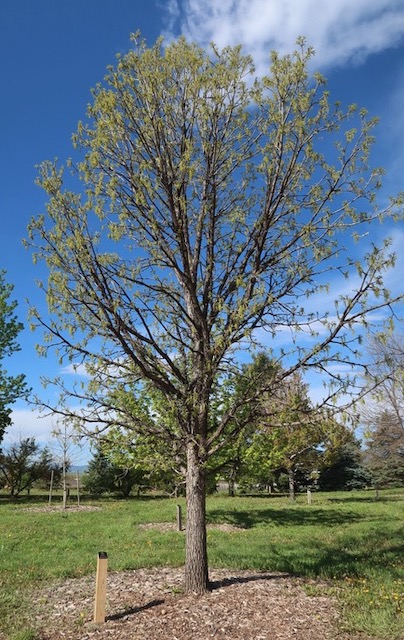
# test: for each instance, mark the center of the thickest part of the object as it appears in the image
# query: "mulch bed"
(149, 604)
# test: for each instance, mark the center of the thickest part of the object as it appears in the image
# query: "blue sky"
(53, 52)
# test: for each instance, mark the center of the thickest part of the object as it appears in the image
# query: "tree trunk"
(291, 474)
(232, 482)
(196, 558)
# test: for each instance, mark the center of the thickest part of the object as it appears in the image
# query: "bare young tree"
(66, 448)
(385, 375)
(211, 210)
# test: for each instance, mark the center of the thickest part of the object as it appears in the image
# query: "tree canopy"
(23, 464)
(11, 387)
(210, 209)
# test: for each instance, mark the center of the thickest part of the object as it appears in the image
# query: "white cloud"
(340, 30)
(28, 423)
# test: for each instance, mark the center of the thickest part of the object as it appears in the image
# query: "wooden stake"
(179, 518)
(78, 488)
(101, 587)
(51, 486)
(308, 496)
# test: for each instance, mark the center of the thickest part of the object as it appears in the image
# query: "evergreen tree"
(103, 476)
(384, 454)
(346, 471)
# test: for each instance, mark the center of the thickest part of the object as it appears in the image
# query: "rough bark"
(291, 474)
(196, 563)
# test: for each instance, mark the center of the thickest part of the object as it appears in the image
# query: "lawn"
(351, 540)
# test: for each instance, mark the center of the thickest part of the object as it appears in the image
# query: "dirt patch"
(149, 604)
(59, 508)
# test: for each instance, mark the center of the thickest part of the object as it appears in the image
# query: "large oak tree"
(211, 209)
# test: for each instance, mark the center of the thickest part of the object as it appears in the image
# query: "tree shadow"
(370, 499)
(227, 582)
(25, 499)
(350, 553)
(331, 561)
(310, 516)
(130, 612)
(57, 498)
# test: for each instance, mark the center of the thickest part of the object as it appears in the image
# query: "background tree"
(384, 415)
(384, 452)
(385, 375)
(344, 469)
(230, 458)
(102, 476)
(292, 437)
(149, 449)
(11, 387)
(206, 216)
(163, 459)
(23, 464)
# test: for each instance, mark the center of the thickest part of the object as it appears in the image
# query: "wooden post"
(78, 488)
(179, 518)
(51, 486)
(64, 483)
(308, 496)
(101, 587)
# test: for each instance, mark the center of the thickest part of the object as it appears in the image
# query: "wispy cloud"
(394, 277)
(75, 370)
(393, 127)
(341, 31)
(28, 423)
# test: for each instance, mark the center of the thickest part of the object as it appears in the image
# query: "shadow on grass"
(57, 498)
(367, 499)
(7, 499)
(333, 549)
(283, 517)
(330, 561)
(329, 496)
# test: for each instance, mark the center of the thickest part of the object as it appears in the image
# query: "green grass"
(348, 539)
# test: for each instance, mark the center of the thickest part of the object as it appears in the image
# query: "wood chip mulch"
(149, 604)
